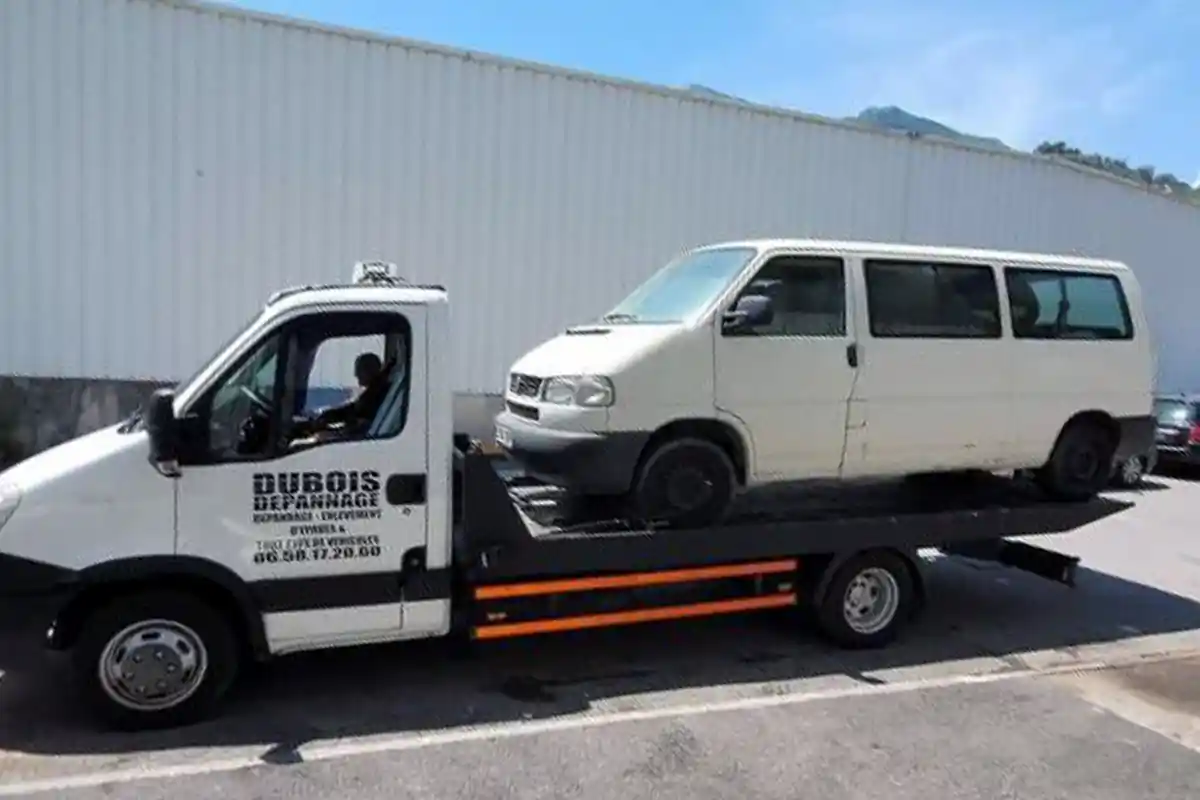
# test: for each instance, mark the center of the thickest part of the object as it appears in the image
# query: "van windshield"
(682, 287)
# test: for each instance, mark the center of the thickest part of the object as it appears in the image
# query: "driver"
(359, 412)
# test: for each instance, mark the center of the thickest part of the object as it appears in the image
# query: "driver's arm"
(338, 413)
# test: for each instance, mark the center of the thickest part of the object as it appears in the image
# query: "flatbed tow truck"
(163, 564)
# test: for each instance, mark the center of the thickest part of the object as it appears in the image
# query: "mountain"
(897, 119)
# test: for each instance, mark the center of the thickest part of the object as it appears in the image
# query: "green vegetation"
(1147, 175)
(897, 119)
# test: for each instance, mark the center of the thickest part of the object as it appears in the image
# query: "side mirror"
(750, 310)
(163, 430)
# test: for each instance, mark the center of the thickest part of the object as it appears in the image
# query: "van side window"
(1054, 304)
(920, 300)
(809, 294)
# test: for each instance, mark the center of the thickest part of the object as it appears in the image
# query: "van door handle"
(852, 355)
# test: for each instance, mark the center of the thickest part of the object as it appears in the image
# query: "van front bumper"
(587, 463)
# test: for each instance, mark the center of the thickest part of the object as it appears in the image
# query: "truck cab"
(306, 516)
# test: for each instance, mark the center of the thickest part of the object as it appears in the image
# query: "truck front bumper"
(31, 595)
(588, 463)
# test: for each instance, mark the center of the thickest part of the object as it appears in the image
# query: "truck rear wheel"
(154, 660)
(684, 483)
(867, 601)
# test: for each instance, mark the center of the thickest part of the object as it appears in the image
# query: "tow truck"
(223, 525)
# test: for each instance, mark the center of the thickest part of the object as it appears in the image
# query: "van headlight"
(10, 498)
(588, 391)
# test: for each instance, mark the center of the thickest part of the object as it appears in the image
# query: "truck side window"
(324, 378)
(809, 295)
(919, 300)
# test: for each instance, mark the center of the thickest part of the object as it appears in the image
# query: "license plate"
(503, 437)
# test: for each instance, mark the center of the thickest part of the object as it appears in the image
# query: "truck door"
(317, 517)
(790, 381)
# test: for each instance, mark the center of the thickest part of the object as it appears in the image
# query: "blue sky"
(1121, 77)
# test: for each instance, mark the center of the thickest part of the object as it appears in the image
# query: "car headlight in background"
(588, 391)
(10, 497)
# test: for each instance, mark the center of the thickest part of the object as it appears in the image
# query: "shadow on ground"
(975, 611)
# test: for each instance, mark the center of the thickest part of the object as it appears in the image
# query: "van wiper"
(619, 318)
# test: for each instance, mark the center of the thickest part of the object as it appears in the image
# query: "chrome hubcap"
(871, 601)
(153, 665)
(1132, 470)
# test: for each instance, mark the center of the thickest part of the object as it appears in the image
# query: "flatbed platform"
(511, 529)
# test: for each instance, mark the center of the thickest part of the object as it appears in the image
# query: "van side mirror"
(163, 430)
(749, 311)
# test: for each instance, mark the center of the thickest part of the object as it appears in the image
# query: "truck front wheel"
(155, 660)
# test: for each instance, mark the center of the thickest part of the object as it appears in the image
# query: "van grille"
(524, 385)
(522, 410)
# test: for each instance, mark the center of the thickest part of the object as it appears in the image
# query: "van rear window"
(1054, 304)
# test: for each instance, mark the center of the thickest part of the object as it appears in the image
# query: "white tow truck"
(227, 523)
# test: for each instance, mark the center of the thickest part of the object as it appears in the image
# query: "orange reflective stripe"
(632, 617)
(636, 579)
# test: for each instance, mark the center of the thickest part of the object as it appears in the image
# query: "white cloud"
(1014, 76)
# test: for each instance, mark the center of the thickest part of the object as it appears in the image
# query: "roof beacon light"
(377, 273)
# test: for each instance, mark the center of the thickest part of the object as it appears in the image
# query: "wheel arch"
(1093, 416)
(215, 584)
(720, 432)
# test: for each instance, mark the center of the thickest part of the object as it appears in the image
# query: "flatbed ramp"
(532, 566)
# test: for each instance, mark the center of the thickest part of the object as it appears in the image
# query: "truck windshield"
(682, 287)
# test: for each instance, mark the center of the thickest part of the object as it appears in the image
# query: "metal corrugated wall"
(164, 167)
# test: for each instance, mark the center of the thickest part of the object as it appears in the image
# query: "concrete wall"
(38, 413)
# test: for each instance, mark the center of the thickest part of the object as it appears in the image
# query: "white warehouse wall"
(165, 166)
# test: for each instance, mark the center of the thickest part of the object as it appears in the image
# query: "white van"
(747, 363)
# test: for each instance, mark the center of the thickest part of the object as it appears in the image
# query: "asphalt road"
(1010, 686)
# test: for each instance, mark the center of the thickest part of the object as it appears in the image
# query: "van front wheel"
(684, 483)
(1081, 465)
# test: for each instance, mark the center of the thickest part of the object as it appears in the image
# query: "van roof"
(925, 251)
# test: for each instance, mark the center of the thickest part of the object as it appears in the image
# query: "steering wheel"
(261, 403)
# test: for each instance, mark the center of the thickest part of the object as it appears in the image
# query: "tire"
(684, 483)
(853, 616)
(1080, 467)
(178, 631)
(1130, 472)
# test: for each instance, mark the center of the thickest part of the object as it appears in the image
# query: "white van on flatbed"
(756, 362)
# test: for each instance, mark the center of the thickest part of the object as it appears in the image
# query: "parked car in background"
(1177, 432)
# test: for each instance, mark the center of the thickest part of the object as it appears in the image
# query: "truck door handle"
(852, 355)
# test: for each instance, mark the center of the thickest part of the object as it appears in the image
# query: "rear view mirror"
(750, 310)
(163, 431)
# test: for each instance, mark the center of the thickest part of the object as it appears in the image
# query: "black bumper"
(1183, 456)
(31, 595)
(589, 463)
